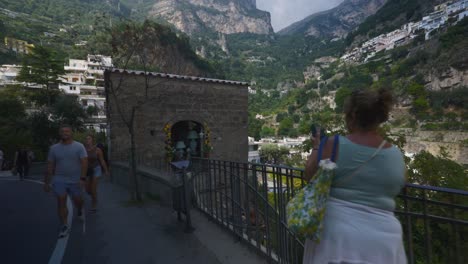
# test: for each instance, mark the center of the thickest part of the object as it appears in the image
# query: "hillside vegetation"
(404, 70)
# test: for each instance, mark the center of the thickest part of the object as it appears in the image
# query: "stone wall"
(222, 107)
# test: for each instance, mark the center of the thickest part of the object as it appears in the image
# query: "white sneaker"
(64, 231)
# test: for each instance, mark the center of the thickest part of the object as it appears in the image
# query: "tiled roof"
(175, 76)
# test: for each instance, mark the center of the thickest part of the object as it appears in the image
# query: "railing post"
(427, 234)
(187, 193)
(409, 226)
(455, 232)
(236, 198)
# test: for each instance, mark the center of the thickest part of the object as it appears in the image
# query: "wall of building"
(222, 108)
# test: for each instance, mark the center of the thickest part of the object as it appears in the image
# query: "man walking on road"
(22, 162)
(67, 163)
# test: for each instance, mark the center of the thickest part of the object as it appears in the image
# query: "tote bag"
(305, 211)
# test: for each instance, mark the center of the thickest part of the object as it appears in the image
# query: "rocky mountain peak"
(223, 16)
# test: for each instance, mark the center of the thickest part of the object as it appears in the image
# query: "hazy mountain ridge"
(336, 22)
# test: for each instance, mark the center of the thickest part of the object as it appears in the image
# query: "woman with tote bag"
(359, 225)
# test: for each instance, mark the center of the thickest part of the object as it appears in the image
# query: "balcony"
(248, 200)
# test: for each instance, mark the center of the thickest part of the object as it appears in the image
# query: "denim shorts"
(97, 172)
(62, 188)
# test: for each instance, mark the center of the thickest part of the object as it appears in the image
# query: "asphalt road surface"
(29, 226)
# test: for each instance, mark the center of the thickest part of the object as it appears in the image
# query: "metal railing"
(250, 199)
(435, 224)
(244, 198)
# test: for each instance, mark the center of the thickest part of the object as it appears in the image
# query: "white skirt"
(357, 234)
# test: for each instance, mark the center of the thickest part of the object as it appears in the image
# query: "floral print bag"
(305, 211)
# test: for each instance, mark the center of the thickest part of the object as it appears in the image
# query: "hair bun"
(385, 97)
(369, 108)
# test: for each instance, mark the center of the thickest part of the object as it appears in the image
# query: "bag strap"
(322, 145)
(362, 165)
(320, 150)
(335, 145)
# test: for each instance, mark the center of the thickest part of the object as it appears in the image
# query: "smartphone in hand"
(315, 129)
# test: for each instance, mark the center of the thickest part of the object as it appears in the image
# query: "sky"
(286, 12)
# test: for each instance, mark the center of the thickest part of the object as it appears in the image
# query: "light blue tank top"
(378, 181)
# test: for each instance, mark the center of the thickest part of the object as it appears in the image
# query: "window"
(75, 79)
(84, 102)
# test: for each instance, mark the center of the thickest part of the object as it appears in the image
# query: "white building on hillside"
(254, 154)
(8, 74)
(85, 78)
(457, 7)
(449, 11)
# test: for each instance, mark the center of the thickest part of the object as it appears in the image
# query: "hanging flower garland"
(169, 148)
(207, 147)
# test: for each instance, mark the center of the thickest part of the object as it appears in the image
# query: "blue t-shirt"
(67, 158)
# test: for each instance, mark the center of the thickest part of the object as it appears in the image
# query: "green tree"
(291, 109)
(43, 67)
(281, 116)
(45, 132)
(427, 169)
(267, 132)
(340, 98)
(142, 46)
(296, 118)
(255, 127)
(420, 105)
(293, 133)
(13, 126)
(416, 89)
(272, 153)
(67, 109)
(92, 110)
(285, 126)
(304, 127)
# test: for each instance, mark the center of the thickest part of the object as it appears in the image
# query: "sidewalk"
(124, 233)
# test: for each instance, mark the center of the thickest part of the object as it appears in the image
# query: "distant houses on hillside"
(18, 46)
(449, 11)
(83, 78)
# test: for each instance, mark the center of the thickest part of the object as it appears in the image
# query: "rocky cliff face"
(432, 141)
(450, 78)
(336, 22)
(223, 16)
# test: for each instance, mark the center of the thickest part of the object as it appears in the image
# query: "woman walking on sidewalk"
(96, 164)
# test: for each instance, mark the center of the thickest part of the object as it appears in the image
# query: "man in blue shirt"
(67, 163)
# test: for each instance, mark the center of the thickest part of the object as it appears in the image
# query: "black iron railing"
(435, 224)
(250, 199)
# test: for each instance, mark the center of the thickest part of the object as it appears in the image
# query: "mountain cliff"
(336, 22)
(222, 16)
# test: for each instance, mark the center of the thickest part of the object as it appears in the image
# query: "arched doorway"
(187, 139)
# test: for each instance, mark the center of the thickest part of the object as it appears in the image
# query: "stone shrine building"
(176, 116)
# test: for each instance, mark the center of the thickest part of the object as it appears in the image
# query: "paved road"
(118, 234)
(29, 223)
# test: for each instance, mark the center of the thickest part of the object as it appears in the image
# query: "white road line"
(61, 246)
